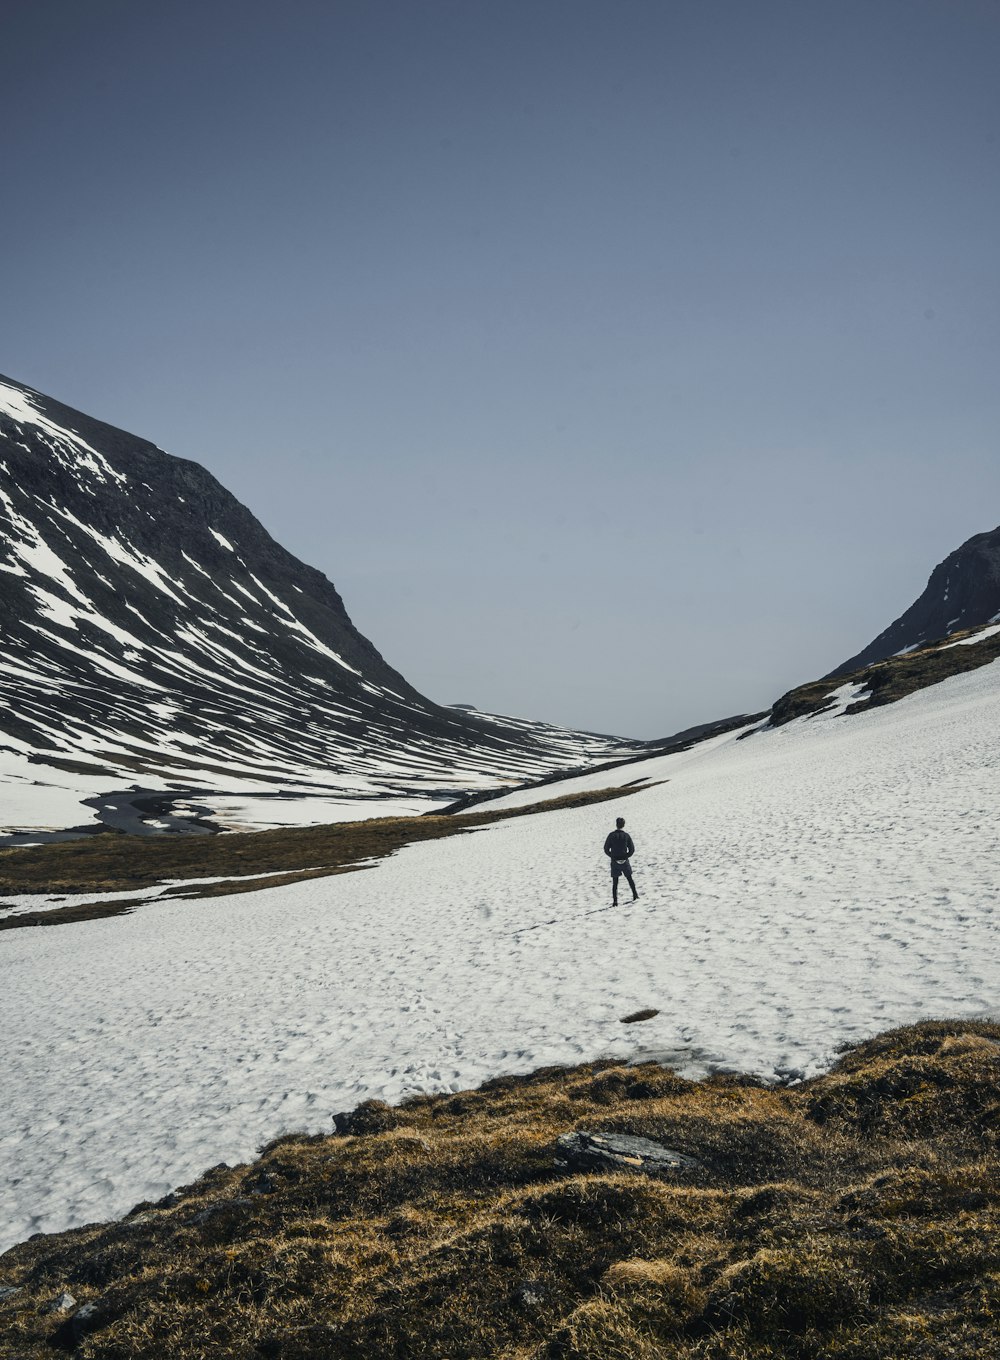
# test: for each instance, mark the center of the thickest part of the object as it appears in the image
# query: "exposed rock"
(317, 1341)
(529, 1294)
(261, 1184)
(963, 592)
(62, 1303)
(75, 1329)
(585, 1151)
(371, 1116)
(691, 736)
(223, 1207)
(7, 1291)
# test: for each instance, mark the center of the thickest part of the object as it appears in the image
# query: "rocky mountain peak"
(153, 631)
(963, 592)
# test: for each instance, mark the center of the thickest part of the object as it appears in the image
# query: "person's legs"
(615, 871)
(627, 871)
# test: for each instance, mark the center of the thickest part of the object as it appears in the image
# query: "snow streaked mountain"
(963, 592)
(155, 636)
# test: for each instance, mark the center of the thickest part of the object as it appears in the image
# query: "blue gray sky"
(622, 363)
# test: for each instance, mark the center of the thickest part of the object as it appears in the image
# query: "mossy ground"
(115, 862)
(892, 679)
(853, 1217)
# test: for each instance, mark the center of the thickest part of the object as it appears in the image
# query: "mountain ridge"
(154, 629)
(963, 592)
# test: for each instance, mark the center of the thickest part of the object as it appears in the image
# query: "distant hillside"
(963, 592)
(155, 634)
(886, 681)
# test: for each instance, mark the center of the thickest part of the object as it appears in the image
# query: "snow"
(244, 590)
(69, 448)
(101, 662)
(272, 597)
(54, 609)
(33, 902)
(810, 885)
(243, 812)
(25, 542)
(313, 641)
(840, 698)
(224, 542)
(37, 797)
(191, 562)
(621, 776)
(971, 641)
(127, 556)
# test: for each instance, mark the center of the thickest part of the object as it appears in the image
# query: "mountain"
(156, 636)
(952, 628)
(963, 592)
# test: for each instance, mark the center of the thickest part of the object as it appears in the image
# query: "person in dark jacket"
(619, 848)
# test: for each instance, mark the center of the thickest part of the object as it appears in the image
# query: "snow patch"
(971, 641)
(70, 450)
(126, 555)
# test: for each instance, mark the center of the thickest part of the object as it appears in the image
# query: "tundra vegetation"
(849, 1217)
(885, 682)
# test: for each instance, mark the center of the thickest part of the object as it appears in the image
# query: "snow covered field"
(806, 886)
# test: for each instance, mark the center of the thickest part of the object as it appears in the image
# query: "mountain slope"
(963, 592)
(861, 1205)
(154, 633)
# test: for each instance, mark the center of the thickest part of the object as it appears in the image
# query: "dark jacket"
(619, 845)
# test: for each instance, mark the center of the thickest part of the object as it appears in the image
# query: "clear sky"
(622, 363)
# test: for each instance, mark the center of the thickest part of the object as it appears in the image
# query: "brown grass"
(892, 679)
(114, 862)
(853, 1217)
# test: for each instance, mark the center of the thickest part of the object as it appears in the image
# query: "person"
(619, 848)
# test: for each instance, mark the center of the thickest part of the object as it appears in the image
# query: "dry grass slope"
(892, 679)
(853, 1217)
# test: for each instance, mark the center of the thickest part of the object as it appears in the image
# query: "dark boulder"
(371, 1116)
(584, 1151)
(90, 1318)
